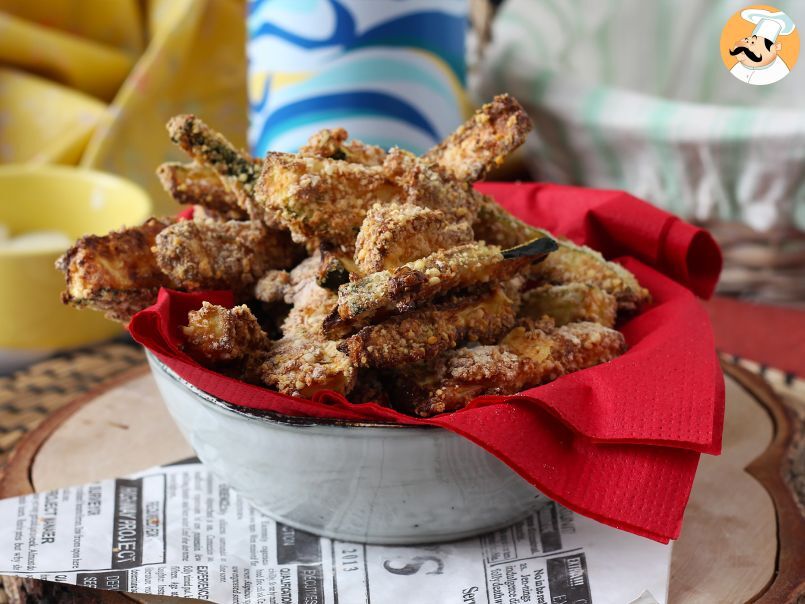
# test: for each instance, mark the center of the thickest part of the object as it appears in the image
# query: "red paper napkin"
(618, 442)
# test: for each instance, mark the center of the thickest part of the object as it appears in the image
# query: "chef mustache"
(743, 49)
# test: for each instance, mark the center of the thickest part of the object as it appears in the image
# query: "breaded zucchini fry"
(571, 263)
(115, 273)
(579, 264)
(569, 303)
(333, 144)
(393, 234)
(529, 356)
(482, 142)
(299, 367)
(197, 184)
(303, 361)
(324, 201)
(421, 185)
(496, 226)
(221, 255)
(237, 169)
(219, 336)
(428, 331)
(417, 282)
(321, 200)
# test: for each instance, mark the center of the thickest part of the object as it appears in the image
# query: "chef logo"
(759, 45)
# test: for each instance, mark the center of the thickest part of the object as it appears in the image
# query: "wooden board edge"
(15, 480)
(15, 477)
(787, 584)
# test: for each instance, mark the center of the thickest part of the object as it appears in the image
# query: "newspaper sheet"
(179, 531)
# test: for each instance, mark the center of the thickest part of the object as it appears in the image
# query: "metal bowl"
(370, 482)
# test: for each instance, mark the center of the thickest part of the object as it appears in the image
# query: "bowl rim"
(270, 417)
(75, 172)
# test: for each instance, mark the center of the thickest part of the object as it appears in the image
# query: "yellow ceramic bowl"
(73, 201)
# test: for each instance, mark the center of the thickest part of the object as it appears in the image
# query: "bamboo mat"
(30, 395)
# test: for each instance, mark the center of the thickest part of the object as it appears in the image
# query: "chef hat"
(769, 25)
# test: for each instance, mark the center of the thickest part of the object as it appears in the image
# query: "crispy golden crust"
(199, 185)
(115, 273)
(237, 169)
(496, 226)
(571, 263)
(333, 144)
(393, 234)
(324, 201)
(218, 335)
(483, 142)
(321, 200)
(428, 331)
(300, 367)
(417, 282)
(303, 362)
(529, 356)
(571, 302)
(421, 185)
(221, 255)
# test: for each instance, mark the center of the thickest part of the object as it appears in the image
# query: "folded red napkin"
(619, 442)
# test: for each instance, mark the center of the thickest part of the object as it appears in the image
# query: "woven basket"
(762, 266)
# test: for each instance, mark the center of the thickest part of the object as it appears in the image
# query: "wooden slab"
(730, 548)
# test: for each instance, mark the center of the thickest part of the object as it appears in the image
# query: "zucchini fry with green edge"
(571, 263)
(428, 331)
(303, 362)
(238, 170)
(198, 184)
(530, 355)
(416, 283)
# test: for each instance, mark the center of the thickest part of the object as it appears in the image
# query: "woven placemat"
(29, 396)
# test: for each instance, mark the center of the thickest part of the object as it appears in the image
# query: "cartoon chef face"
(755, 51)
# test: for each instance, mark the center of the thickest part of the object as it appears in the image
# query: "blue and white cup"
(392, 72)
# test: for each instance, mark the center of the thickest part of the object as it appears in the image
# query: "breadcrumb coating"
(333, 144)
(324, 201)
(303, 361)
(417, 282)
(571, 263)
(484, 141)
(221, 255)
(115, 273)
(237, 169)
(219, 335)
(428, 331)
(321, 200)
(393, 234)
(197, 184)
(528, 356)
(570, 302)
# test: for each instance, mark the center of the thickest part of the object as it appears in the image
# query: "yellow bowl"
(73, 201)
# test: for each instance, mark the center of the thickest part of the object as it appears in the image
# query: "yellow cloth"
(92, 82)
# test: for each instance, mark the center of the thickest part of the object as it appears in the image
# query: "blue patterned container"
(389, 71)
